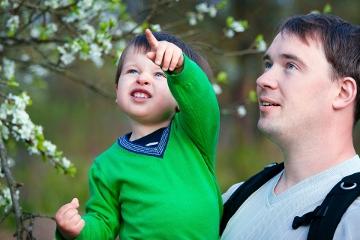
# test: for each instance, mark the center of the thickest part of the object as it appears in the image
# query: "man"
(309, 103)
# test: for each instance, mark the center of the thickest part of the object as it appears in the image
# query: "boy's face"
(295, 91)
(142, 90)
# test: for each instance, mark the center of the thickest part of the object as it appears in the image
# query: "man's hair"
(140, 43)
(340, 40)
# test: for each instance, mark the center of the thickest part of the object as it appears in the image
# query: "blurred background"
(83, 123)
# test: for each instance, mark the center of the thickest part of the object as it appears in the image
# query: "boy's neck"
(139, 130)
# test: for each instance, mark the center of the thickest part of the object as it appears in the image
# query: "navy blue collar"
(153, 144)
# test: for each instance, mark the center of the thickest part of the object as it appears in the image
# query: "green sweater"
(167, 192)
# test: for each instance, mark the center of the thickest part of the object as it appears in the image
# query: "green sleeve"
(102, 210)
(199, 112)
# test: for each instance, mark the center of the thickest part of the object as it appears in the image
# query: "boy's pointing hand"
(163, 53)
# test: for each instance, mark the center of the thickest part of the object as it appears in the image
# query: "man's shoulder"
(226, 195)
(348, 227)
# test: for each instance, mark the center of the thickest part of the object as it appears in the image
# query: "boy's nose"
(143, 79)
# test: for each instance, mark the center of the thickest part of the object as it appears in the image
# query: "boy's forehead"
(136, 50)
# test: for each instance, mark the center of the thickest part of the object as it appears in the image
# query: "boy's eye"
(160, 74)
(132, 71)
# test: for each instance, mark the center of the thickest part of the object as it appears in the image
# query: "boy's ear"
(346, 92)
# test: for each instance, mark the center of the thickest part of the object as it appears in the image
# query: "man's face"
(295, 91)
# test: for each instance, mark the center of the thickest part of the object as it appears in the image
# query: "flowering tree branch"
(12, 188)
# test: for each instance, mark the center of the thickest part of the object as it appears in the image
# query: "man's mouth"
(267, 104)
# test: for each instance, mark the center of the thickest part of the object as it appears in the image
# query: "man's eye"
(267, 65)
(290, 66)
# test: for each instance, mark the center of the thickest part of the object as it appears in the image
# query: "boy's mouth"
(140, 93)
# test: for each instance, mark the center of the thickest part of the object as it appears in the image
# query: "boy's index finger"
(153, 42)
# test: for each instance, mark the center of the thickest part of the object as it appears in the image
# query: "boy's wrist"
(60, 235)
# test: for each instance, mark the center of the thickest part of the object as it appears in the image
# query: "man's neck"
(308, 157)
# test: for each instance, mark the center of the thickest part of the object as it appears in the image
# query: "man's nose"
(267, 80)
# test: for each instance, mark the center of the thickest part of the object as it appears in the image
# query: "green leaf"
(221, 4)
(229, 21)
(222, 77)
(252, 96)
(245, 24)
(327, 8)
(12, 83)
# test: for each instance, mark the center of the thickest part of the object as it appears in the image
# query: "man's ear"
(346, 92)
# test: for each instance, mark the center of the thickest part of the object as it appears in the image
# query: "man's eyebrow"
(294, 58)
(266, 57)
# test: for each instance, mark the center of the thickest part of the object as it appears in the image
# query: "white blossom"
(4, 131)
(192, 18)
(85, 3)
(261, 45)
(13, 23)
(202, 7)
(66, 57)
(65, 162)
(32, 150)
(9, 68)
(39, 70)
(50, 148)
(25, 57)
(128, 26)
(212, 11)
(52, 28)
(5, 199)
(95, 55)
(229, 33)
(155, 27)
(35, 32)
(106, 45)
(241, 111)
(52, 3)
(10, 163)
(4, 4)
(15, 121)
(217, 88)
(28, 78)
(89, 34)
(237, 26)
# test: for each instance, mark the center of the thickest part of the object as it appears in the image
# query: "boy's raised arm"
(199, 111)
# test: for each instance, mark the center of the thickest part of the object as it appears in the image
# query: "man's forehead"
(290, 43)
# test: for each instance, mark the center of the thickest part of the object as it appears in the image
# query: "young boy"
(157, 182)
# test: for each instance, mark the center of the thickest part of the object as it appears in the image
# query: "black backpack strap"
(245, 190)
(325, 218)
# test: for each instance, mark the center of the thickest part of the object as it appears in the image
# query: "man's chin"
(266, 129)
